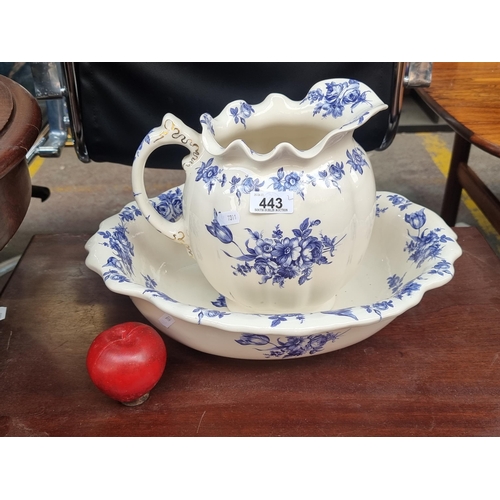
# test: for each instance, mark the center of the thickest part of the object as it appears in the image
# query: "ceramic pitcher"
(279, 199)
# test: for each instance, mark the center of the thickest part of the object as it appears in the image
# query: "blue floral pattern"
(208, 313)
(246, 185)
(336, 97)
(400, 289)
(210, 174)
(120, 265)
(169, 205)
(279, 258)
(220, 301)
(207, 120)
(277, 319)
(242, 113)
(332, 175)
(399, 201)
(289, 347)
(378, 307)
(426, 244)
(146, 140)
(356, 159)
(442, 268)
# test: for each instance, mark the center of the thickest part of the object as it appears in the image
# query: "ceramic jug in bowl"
(279, 199)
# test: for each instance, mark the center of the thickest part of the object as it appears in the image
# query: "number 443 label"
(270, 202)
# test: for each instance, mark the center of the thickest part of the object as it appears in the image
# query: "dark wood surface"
(434, 371)
(467, 96)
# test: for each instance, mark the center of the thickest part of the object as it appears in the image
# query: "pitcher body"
(279, 199)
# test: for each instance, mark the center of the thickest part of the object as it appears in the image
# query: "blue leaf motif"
(343, 312)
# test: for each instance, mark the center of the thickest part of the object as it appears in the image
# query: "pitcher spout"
(279, 125)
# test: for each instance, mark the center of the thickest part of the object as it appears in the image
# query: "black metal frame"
(405, 75)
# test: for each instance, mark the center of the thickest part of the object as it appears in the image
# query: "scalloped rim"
(260, 323)
(282, 102)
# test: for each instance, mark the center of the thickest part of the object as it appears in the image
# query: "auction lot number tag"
(270, 202)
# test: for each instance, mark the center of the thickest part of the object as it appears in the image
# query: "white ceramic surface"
(279, 199)
(411, 251)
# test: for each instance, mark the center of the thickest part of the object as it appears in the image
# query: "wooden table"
(434, 371)
(467, 96)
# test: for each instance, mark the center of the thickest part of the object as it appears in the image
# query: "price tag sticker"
(270, 202)
(166, 320)
(228, 218)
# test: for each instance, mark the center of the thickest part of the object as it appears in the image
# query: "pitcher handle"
(171, 131)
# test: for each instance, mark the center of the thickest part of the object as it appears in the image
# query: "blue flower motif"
(264, 248)
(416, 219)
(242, 113)
(292, 181)
(207, 172)
(408, 289)
(399, 289)
(441, 268)
(332, 175)
(208, 313)
(285, 251)
(220, 302)
(222, 233)
(311, 250)
(277, 319)
(117, 241)
(207, 120)
(277, 233)
(336, 170)
(336, 97)
(379, 307)
(289, 182)
(248, 185)
(246, 110)
(399, 201)
(394, 282)
(279, 258)
(356, 160)
(289, 346)
(169, 205)
(352, 95)
(426, 244)
(129, 213)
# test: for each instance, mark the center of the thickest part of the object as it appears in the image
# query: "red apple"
(126, 361)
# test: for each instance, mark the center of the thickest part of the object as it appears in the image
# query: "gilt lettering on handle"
(171, 127)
